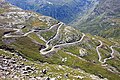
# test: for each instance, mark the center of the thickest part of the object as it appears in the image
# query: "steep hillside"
(33, 46)
(104, 20)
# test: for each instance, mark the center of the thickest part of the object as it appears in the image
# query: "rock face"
(63, 10)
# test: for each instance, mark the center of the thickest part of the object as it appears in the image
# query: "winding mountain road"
(73, 43)
(17, 30)
(43, 51)
(99, 54)
(52, 27)
(112, 56)
(56, 47)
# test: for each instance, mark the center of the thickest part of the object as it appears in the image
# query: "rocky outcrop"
(15, 68)
(83, 52)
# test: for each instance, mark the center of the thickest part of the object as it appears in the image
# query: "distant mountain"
(102, 20)
(63, 10)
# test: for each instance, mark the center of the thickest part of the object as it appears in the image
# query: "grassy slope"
(35, 37)
(27, 48)
(47, 35)
(87, 66)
